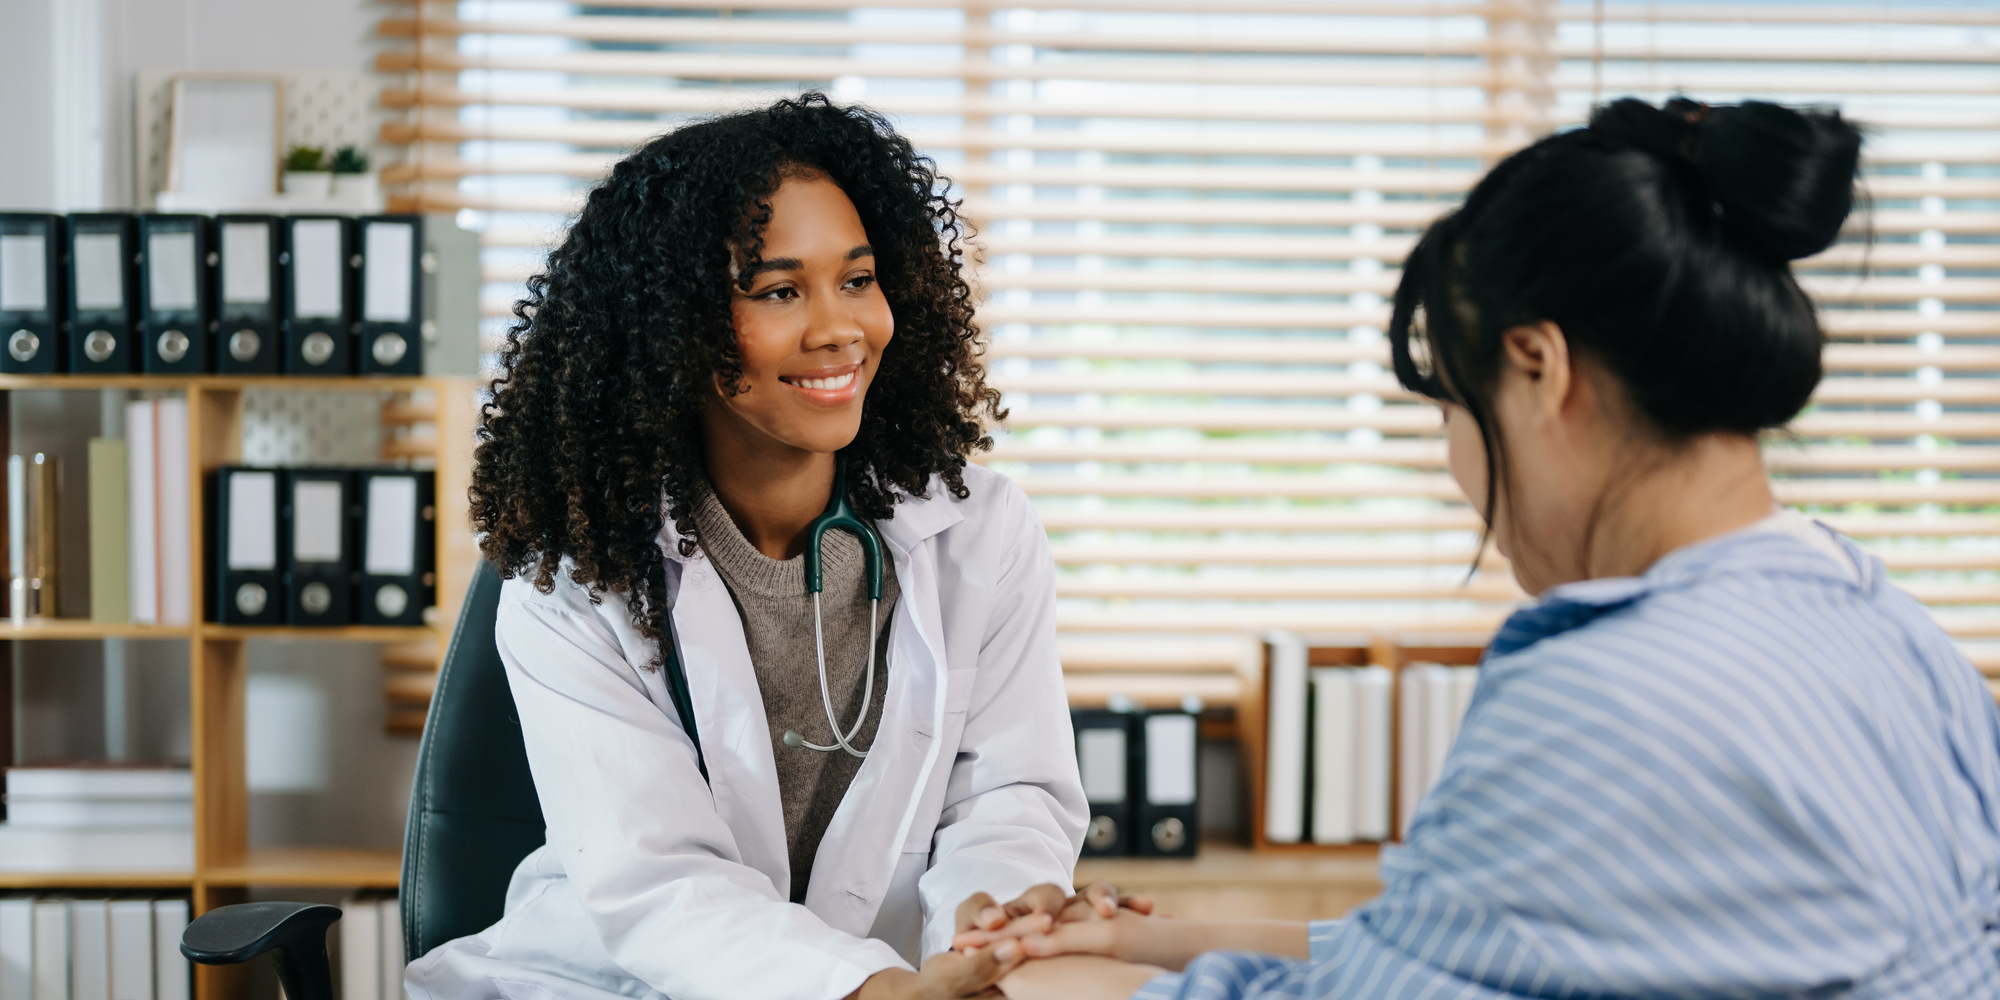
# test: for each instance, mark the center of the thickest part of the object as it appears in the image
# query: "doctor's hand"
(980, 923)
(946, 976)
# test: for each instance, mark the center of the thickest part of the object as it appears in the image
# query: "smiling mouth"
(835, 382)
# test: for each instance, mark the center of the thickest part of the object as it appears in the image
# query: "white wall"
(66, 69)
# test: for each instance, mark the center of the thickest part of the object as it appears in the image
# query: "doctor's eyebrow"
(793, 263)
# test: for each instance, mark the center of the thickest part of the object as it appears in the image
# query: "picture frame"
(225, 134)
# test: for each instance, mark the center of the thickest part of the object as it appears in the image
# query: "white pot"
(356, 191)
(308, 183)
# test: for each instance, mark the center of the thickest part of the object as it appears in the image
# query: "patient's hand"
(1076, 977)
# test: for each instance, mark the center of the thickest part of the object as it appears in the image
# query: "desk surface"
(1227, 881)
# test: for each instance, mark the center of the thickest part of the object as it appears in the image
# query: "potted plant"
(353, 185)
(306, 173)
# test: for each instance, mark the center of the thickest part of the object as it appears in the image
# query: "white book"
(132, 949)
(1285, 751)
(1372, 753)
(17, 947)
(90, 949)
(1409, 746)
(142, 512)
(51, 962)
(81, 848)
(99, 812)
(1439, 726)
(1333, 755)
(93, 782)
(1463, 681)
(391, 919)
(176, 515)
(173, 974)
(360, 949)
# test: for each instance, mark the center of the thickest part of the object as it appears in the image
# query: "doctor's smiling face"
(810, 327)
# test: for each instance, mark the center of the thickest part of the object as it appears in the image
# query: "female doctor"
(757, 319)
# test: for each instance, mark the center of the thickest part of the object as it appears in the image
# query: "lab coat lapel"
(876, 819)
(729, 716)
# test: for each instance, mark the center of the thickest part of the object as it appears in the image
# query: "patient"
(1721, 755)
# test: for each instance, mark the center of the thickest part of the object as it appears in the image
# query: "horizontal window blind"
(1191, 217)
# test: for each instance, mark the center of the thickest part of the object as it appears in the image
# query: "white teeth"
(838, 382)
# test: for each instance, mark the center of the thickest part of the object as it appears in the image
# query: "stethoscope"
(840, 516)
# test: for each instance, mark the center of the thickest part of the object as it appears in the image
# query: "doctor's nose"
(831, 324)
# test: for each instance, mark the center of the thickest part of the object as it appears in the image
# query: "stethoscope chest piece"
(840, 515)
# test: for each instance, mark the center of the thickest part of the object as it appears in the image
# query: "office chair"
(473, 817)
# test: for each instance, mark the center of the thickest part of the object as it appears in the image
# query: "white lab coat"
(654, 883)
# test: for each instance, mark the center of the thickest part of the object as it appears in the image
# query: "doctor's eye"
(782, 293)
(861, 281)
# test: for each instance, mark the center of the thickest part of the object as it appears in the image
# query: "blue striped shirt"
(1745, 774)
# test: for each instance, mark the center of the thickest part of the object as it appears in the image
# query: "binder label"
(171, 256)
(389, 247)
(246, 263)
(316, 263)
(253, 522)
(392, 526)
(1170, 760)
(24, 277)
(316, 518)
(99, 271)
(1101, 760)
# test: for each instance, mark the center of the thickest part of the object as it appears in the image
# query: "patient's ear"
(1537, 360)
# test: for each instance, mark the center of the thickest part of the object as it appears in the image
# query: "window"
(1192, 215)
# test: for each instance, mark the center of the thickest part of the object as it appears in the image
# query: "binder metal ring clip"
(315, 598)
(1169, 834)
(389, 348)
(317, 348)
(391, 600)
(244, 345)
(173, 346)
(250, 598)
(98, 345)
(1102, 835)
(23, 345)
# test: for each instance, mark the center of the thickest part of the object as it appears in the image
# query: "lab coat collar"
(915, 520)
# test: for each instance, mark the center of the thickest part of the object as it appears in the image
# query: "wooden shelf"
(349, 633)
(323, 867)
(84, 628)
(97, 880)
(350, 383)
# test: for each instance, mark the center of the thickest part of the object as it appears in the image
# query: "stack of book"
(1337, 735)
(141, 518)
(371, 947)
(60, 947)
(98, 816)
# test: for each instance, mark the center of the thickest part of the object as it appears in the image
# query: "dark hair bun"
(1782, 178)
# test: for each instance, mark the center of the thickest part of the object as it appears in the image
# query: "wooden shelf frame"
(226, 867)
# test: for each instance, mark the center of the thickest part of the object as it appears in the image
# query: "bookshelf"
(226, 867)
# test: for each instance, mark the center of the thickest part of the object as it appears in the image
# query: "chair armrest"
(294, 932)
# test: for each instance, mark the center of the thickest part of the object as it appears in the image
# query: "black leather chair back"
(473, 810)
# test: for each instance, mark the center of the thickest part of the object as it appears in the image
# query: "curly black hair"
(593, 438)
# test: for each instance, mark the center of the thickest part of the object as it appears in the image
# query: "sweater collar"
(914, 521)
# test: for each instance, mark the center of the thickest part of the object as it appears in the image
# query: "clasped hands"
(1050, 945)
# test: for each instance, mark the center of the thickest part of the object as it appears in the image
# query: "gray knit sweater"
(778, 624)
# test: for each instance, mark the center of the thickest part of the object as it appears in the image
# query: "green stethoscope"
(840, 516)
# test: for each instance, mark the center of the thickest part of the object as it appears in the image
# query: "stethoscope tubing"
(840, 742)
